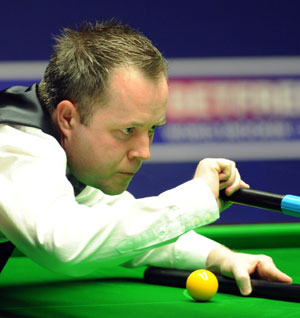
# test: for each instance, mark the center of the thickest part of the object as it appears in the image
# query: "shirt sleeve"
(189, 252)
(39, 213)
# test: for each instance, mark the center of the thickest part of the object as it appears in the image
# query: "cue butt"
(255, 198)
(286, 204)
(260, 288)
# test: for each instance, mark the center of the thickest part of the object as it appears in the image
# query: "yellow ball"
(202, 285)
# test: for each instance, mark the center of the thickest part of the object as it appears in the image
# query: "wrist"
(217, 258)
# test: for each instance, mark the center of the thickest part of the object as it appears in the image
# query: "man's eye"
(152, 130)
(127, 131)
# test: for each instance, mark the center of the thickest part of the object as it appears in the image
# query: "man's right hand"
(220, 174)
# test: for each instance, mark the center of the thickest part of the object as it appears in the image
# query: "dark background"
(180, 29)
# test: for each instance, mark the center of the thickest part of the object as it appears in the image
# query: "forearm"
(80, 238)
(189, 252)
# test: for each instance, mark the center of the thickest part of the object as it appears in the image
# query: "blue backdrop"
(194, 29)
(180, 29)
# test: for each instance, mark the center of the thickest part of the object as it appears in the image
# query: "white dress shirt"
(40, 214)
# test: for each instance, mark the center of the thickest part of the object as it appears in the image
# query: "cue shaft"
(260, 288)
(286, 204)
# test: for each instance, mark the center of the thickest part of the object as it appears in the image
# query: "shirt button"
(162, 234)
(207, 218)
(197, 221)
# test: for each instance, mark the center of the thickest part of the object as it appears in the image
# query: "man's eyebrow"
(162, 122)
(138, 124)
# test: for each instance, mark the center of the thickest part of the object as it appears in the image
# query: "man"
(70, 147)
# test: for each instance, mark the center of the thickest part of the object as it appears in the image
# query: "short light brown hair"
(84, 59)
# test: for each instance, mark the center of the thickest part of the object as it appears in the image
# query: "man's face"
(108, 151)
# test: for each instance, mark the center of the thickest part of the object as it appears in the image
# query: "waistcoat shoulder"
(20, 105)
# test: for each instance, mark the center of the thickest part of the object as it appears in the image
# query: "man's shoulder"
(20, 105)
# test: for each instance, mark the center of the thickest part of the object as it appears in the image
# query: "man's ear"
(67, 117)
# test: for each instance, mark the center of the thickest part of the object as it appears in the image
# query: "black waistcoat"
(20, 105)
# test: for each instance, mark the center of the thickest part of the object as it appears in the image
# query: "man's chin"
(114, 192)
(110, 190)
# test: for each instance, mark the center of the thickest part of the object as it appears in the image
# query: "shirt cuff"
(192, 250)
(194, 198)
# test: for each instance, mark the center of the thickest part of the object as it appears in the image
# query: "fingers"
(263, 266)
(243, 281)
(230, 178)
(226, 169)
(244, 184)
(220, 174)
(228, 175)
(267, 270)
(244, 285)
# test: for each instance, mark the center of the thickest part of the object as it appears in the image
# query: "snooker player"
(69, 148)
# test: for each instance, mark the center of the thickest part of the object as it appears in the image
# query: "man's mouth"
(129, 174)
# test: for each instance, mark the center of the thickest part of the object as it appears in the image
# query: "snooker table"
(28, 290)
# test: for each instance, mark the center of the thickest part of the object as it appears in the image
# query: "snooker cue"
(286, 204)
(260, 288)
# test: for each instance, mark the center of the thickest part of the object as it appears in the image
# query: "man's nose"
(140, 148)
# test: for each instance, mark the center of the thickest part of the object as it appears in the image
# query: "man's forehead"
(127, 73)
